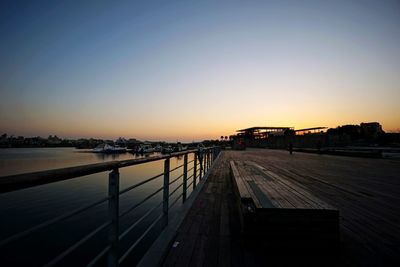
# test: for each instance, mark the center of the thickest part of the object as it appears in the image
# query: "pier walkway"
(365, 191)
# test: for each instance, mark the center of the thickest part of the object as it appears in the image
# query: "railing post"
(211, 151)
(113, 213)
(206, 162)
(195, 171)
(206, 168)
(185, 162)
(166, 189)
(201, 164)
(208, 159)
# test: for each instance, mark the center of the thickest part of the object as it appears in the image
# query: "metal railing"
(199, 166)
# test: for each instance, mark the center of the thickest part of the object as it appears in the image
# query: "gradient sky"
(183, 70)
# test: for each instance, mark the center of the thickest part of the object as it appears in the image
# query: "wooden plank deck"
(365, 191)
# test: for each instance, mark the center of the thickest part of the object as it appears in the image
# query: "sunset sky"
(194, 70)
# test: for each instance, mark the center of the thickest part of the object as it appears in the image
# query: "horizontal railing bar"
(190, 169)
(20, 181)
(176, 189)
(139, 239)
(101, 254)
(190, 183)
(123, 191)
(139, 220)
(51, 221)
(176, 179)
(140, 203)
(174, 169)
(176, 200)
(77, 244)
(190, 161)
(190, 177)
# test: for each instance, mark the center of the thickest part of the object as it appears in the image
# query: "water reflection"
(23, 209)
(104, 156)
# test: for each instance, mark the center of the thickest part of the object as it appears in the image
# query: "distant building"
(53, 140)
(121, 141)
(314, 130)
(371, 129)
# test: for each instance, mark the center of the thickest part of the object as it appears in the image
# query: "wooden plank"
(306, 198)
(246, 179)
(275, 196)
(243, 191)
(262, 198)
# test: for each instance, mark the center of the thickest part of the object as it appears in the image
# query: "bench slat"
(297, 193)
(243, 190)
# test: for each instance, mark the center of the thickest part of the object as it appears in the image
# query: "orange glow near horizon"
(192, 72)
(180, 130)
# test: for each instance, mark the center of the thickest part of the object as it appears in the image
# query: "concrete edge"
(156, 254)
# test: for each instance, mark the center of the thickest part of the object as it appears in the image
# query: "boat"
(158, 148)
(106, 148)
(167, 150)
(145, 149)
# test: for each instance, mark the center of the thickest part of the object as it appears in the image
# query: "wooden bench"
(278, 213)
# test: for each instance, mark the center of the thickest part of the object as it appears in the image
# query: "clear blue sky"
(196, 69)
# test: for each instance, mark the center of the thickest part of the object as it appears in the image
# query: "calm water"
(25, 208)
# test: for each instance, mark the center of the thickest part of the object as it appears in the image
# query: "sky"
(194, 70)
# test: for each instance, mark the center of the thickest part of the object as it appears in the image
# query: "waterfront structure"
(365, 134)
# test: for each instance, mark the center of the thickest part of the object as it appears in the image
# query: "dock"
(365, 191)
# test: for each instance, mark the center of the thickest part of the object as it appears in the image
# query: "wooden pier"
(366, 192)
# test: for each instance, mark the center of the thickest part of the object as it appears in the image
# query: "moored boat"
(167, 150)
(145, 149)
(106, 148)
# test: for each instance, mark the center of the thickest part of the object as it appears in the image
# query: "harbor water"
(26, 208)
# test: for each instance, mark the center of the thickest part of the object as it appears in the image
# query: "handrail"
(21, 181)
(203, 159)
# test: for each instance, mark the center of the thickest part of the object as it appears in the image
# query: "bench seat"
(278, 213)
